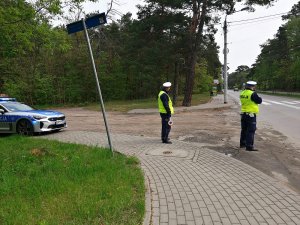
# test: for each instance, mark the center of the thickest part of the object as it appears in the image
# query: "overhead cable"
(257, 21)
(257, 18)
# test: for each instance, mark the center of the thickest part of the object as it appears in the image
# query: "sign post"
(225, 61)
(85, 24)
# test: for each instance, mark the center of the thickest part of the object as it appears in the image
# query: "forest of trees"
(277, 68)
(170, 40)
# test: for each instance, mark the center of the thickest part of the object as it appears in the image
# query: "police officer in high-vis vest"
(166, 110)
(249, 110)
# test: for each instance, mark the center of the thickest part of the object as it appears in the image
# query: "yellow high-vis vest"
(248, 106)
(161, 107)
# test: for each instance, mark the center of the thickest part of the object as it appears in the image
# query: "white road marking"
(279, 103)
(265, 103)
(292, 103)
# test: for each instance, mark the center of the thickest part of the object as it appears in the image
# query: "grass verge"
(127, 105)
(283, 94)
(48, 182)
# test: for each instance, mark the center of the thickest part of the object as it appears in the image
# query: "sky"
(244, 38)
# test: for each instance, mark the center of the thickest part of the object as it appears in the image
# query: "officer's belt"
(249, 114)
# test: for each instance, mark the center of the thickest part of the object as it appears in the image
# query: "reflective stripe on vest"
(248, 106)
(161, 107)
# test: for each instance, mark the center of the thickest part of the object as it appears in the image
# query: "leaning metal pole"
(225, 61)
(98, 84)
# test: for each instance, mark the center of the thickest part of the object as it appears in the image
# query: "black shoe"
(242, 146)
(251, 149)
(168, 139)
(167, 142)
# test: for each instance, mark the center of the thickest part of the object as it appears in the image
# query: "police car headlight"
(39, 117)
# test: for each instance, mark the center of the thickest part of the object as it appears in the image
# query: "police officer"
(249, 110)
(166, 109)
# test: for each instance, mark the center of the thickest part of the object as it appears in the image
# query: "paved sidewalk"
(189, 184)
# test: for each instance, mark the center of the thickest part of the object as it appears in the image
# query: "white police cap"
(251, 83)
(167, 84)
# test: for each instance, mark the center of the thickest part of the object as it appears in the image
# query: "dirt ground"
(216, 129)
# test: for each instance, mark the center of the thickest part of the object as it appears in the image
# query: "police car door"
(5, 125)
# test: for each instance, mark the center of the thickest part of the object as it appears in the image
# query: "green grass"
(197, 99)
(48, 182)
(291, 95)
(127, 105)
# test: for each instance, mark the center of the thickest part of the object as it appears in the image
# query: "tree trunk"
(189, 83)
(196, 30)
(176, 77)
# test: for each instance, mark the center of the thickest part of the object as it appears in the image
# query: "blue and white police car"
(16, 117)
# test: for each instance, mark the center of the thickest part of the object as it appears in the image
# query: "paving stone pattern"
(190, 184)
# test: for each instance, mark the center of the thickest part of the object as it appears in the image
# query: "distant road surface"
(282, 113)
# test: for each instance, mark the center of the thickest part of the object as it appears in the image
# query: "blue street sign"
(74, 27)
(95, 20)
(90, 22)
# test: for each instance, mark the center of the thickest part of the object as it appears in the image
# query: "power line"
(257, 21)
(278, 14)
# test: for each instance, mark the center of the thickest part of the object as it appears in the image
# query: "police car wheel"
(56, 131)
(24, 127)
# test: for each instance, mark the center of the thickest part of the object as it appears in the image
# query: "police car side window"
(1, 107)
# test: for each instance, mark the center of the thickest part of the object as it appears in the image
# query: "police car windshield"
(16, 106)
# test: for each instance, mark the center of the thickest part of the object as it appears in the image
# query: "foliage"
(132, 62)
(239, 77)
(40, 64)
(277, 66)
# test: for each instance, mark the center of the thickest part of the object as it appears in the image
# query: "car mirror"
(2, 111)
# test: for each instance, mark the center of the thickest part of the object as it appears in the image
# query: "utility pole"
(225, 51)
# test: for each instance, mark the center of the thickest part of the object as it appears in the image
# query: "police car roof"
(7, 99)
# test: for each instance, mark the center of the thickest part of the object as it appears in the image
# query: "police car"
(16, 117)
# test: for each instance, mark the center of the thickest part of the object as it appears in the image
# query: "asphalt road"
(282, 113)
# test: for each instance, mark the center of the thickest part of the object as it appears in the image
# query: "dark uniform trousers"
(166, 128)
(248, 123)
